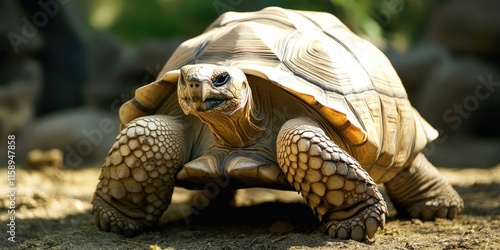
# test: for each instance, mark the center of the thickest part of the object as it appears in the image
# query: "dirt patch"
(53, 212)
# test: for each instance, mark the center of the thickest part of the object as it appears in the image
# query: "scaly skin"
(137, 178)
(338, 190)
(422, 193)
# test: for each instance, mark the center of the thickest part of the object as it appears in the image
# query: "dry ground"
(53, 212)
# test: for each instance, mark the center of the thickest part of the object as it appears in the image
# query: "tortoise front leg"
(137, 178)
(338, 190)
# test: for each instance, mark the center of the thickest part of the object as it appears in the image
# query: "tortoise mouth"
(207, 105)
(212, 103)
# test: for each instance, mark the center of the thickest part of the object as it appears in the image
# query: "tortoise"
(281, 99)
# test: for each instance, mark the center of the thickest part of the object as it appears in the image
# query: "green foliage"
(135, 19)
(401, 20)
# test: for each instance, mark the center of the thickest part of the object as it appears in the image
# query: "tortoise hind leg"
(421, 192)
(338, 190)
(137, 178)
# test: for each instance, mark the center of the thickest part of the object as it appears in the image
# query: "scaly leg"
(421, 192)
(338, 190)
(137, 178)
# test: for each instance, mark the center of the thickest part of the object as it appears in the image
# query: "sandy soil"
(53, 212)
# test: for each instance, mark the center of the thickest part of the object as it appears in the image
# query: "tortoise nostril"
(197, 85)
(191, 85)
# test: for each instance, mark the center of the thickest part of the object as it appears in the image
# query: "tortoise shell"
(316, 58)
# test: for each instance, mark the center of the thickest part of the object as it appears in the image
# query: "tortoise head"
(213, 89)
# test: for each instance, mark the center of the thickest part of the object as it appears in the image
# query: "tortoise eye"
(221, 79)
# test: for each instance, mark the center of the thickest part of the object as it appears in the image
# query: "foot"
(110, 219)
(362, 226)
(420, 192)
(338, 190)
(137, 178)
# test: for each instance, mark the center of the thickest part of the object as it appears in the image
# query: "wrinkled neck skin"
(242, 128)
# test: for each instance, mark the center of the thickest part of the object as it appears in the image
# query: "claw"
(371, 226)
(452, 213)
(442, 212)
(382, 221)
(111, 220)
(357, 233)
(332, 232)
(342, 234)
(427, 214)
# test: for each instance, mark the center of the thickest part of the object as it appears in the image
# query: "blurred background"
(66, 66)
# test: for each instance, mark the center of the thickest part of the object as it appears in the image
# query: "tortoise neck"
(243, 128)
